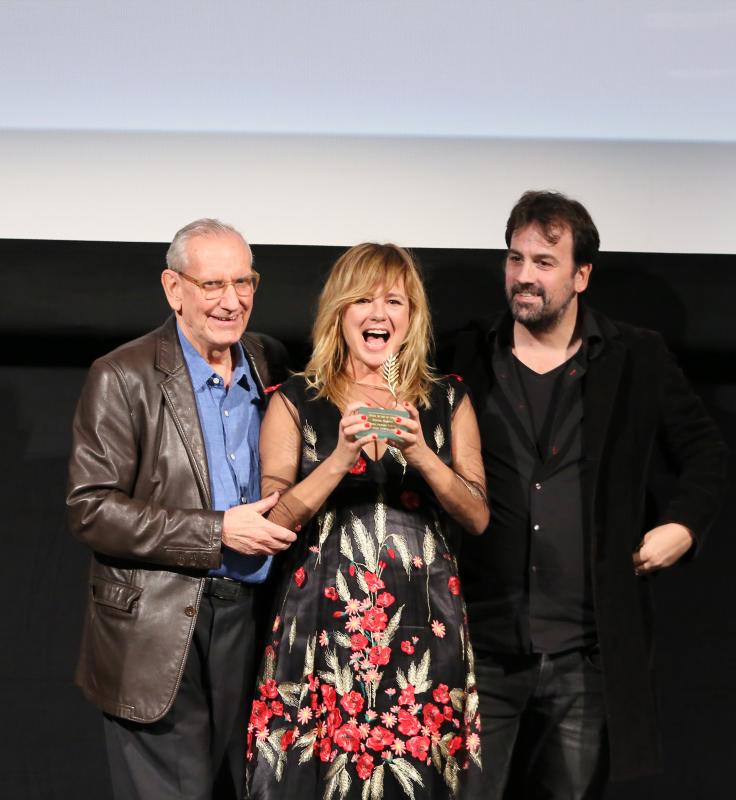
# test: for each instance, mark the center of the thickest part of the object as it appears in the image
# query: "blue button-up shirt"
(230, 419)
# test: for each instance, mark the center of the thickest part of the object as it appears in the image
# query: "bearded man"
(570, 405)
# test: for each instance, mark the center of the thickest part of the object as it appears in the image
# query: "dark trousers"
(197, 751)
(543, 726)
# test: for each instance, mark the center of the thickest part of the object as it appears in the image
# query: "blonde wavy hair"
(356, 274)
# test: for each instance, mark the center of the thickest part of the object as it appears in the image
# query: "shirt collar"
(200, 371)
(590, 331)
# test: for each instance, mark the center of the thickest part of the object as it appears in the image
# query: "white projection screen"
(335, 121)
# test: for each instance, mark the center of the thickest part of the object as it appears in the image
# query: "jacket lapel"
(601, 389)
(256, 359)
(476, 362)
(503, 386)
(511, 397)
(182, 405)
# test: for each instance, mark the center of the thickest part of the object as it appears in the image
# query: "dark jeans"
(197, 751)
(543, 724)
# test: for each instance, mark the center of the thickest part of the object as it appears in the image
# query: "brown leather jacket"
(139, 496)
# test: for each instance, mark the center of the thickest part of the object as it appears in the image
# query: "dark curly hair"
(552, 211)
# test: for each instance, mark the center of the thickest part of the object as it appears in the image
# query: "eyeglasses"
(213, 290)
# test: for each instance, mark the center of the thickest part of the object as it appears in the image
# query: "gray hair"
(177, 256)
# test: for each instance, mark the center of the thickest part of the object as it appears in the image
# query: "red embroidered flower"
(269, 689)
(277, 708)
(331, 593)
(433, 717)
(408, 723)
(313, 682)
(453, 584)
(455, 744)
(410, 500)
(352, 702)
(325, 750)
(391, 552)
(287, 739)
(440, 694)
(271, 389)
(348, 738)
(300, 577)
(351, 570)
(385, 599)
(406, 698)
(379, 656)
(334, 721)
(379, 739)
(360, 467)
(407, 647)
(457, 377)
(375, 619)
(447, 711)
(418, 746)
(358, 641)
(373, 581)
(260, 714)
(314, 701)
(329, 695)
(364, 766)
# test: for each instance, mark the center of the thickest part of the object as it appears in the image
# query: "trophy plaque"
(383, 420)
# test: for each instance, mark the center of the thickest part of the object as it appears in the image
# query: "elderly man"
(570, 406)
(164, 487)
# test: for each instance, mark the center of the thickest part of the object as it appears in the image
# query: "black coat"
(635, 398)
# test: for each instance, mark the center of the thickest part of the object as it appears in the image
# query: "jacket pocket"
(121, 596)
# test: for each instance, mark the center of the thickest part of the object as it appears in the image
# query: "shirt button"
(537, 486)
(215, 381)
(243, 500)
(537, 527)
(232, 456)
(226, 413)
(190, 611)
(534, 569)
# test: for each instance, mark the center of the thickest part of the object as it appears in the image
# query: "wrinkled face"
(375, 326)
(211, 326)
(542, 283)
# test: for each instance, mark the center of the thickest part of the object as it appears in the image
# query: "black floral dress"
(367, 689)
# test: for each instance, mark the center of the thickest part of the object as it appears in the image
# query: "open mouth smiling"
(376, 333)
(376, 337)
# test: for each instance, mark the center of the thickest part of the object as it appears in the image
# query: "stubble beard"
(537, 318)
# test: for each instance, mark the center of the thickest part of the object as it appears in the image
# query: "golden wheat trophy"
(383, 420)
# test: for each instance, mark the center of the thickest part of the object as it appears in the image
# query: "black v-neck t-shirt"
(531, 591)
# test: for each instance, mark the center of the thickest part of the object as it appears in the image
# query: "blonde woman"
(367, 686)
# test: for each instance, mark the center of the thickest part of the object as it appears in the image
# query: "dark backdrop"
(64, 303)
